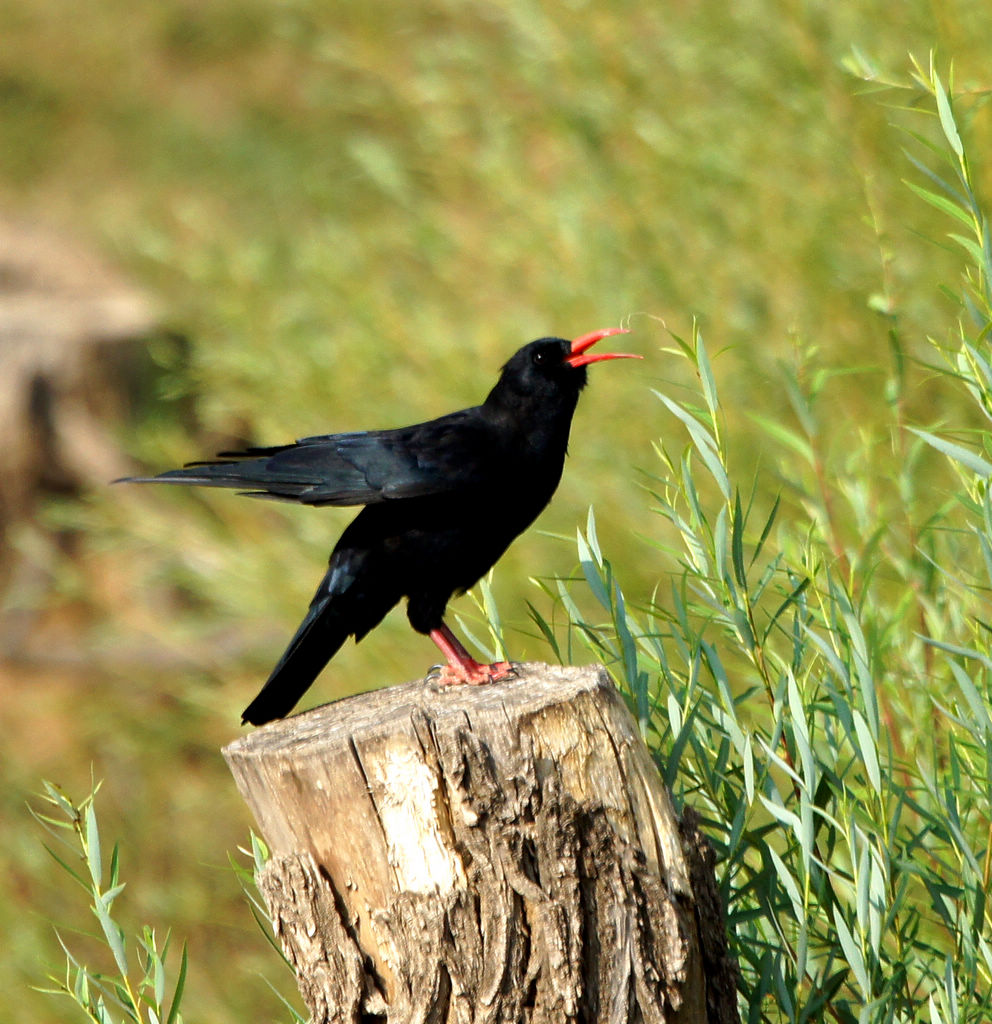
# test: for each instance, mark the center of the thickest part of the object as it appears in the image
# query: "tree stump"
(503, 853)
(69, 324)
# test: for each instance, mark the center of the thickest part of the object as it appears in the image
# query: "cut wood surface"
(502, 853)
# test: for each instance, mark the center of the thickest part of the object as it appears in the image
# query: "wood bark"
(499, 854)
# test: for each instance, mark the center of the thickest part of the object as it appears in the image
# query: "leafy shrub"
(815, 676)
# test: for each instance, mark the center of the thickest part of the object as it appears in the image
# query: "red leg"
(462, 668)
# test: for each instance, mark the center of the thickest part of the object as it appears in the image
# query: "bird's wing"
(450, 454)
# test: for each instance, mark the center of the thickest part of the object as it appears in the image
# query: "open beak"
(579, 357)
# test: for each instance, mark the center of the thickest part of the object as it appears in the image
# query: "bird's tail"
(320, 635)
(342, 607)
(254, 471)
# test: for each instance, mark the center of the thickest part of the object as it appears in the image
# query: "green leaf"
(706, 375)
(867, 750)
(862, 886)
(800, 732)
(110, 895)
(591, 536)
(747, 757)
(958, 649)
(943, 204)
(797, 591)
(767, 529)
(788, 883)
(703, 442)
(852, 953)
(591, 572)
(737, 543)
(947, 124)
(549, 635)
(177, 995)
(259, 851)
(69, 869)
(56, 797)
(93, 858)
(721, 546)
(970, 246)
(979, 709)
(491, 611)
(964, 456)
(154, 963)
(113, 933)
(784, 436)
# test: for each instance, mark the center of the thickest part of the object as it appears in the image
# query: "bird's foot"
(462, 669)
(474, 674)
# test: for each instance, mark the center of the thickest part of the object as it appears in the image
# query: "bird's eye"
(542, 357)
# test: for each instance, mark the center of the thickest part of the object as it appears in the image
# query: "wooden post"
(502, 853)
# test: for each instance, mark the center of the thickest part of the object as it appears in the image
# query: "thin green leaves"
(598, 575)
(704, 443)
(139, 996)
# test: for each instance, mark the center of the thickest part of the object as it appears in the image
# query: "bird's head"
(555, 367)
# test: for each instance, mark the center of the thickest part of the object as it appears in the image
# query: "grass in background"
(354, 215)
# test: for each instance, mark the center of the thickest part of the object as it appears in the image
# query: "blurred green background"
(349, 216)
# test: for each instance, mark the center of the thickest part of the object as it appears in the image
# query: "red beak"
(579, 346)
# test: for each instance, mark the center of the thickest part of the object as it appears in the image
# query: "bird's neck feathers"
(535, 422)
(534, 396)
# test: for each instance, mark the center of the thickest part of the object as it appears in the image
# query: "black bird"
(443, 500)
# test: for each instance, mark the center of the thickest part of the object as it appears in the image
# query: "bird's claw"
(471, 675)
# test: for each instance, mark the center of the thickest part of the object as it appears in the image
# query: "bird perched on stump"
(443, 500)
